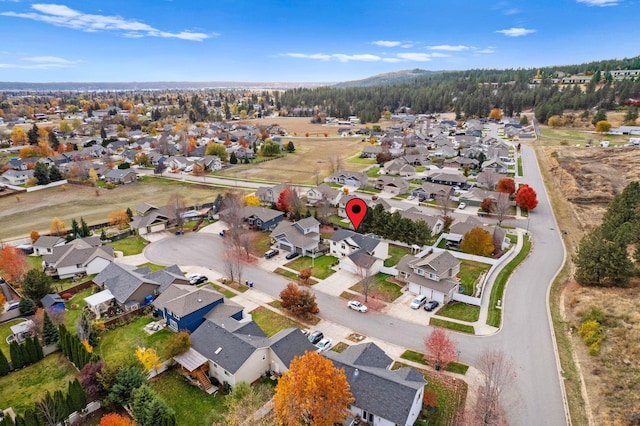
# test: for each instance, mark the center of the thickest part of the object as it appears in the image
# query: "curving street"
(525, 335)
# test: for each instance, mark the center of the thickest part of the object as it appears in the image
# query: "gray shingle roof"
(194, 299)
(47, 241)
(122, 280)
(366, 242)
(289, 343)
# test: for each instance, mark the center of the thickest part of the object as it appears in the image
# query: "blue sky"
(300, 40)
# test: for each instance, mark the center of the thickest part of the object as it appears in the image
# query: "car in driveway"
(271, 253)
(462, 205)
(419, 300)
(431, 305)
(357, 306)
(324, 344)
(292, 255)
(316, 336)
(411, 197)
(195, 279)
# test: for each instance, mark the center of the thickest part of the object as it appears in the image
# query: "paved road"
(525, 336)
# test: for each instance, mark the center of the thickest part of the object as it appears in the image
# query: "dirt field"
(588, 178)
(35, 210)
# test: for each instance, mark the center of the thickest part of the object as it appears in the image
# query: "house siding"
(97, 265)
(193, 320)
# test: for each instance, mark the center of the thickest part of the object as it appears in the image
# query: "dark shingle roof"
(289, 343)
(365, 242)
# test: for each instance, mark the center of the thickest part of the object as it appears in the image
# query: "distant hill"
(389, 78)
(153, 85)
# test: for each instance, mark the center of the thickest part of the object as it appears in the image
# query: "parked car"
(316, 336)
(431, 305)
(462, 205)
(201, 279)
(270, 253)
(292, 255)
(357, 306)
(420, 300)
(194, 279)
(411, 197)
(324, 344)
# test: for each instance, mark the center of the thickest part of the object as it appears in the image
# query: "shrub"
(592, 334)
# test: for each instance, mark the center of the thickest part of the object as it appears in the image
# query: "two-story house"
(323, 192)
(150, 218)
(357, 251)
(270, 194)
(302, 237)
(46, 243)
(433, 274)
(354, 179)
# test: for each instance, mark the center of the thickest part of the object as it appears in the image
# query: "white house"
(433, 274)
(357, 251)
(84, 255)
(45, 244)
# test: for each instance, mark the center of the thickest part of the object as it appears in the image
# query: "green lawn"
(413, 356)
(21, 389)
(5, 331)
(495, 315)
(520, 167)
(460, 311)
(395, 254)
(34, 262)
(271, 322)
(285, 273)
(373, 172)
(463, 328)
(321, 266)
(130, 245)
(61, 285)
(154, 267)
(71, 314)
(123, 341)
(469, 273)
(192, 406)
(358, 160)
(261, 242)
(226, 292)
(380, 288)
(458, 368)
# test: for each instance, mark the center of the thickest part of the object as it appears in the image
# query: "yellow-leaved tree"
(57, 227)
(148, 358)
(93, 176)
(313, 392)
(477, 241)
(251, 200)
(119, 219)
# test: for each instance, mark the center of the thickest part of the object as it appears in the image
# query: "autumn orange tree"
(526, 197)
(113, 419)
(441, 348)
(478, 242)
(34, 235)
(507, 185)
(312, 392)
(13, 264)
(119, 219)
(300, 302)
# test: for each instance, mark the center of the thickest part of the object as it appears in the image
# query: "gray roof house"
(80, 256)
(382, 396)
(17, 177)
(261, 218)
(343, 177)
(270, 194)
(46, 243)
(239, 351)
(433, 274)
(358, 252)
(430, 190)
(323, 192)
(150, 218)
(393, 185)
(301, 237)
(121, 176)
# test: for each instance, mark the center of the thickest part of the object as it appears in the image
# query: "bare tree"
(444, 203)
(502, 206)
(335, 163)
(488, 179)
(177, 206)
(366, 278)
(233, 263)
(498, 377)
(323, 208)
(163, 144)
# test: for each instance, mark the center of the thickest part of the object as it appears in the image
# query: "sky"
(301, 40)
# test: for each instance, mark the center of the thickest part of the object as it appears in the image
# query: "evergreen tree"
(4, 364)
(103, 133)
(54, 143)
(55, 174)
(30, 350)
(103, 235)
(84, 228)
(36, 284)
(38, 349)
(26, 306)
(75, 228)
(41, 173)
(233, 159)
(601, 115)
(76, 396)
(15, 353)
(33, 135)
(8, 421)
(61, 405)
(129, 213)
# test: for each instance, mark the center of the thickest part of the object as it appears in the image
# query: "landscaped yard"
(123, 341)
(460, 311)
(130, 245)
(192, 406)
(21, 389)
(71, 314)
(373, 171)
(463, 328)
(321, 266)
(469, 273)
(260, 243)
(5, 331)
(395, 254)
(380, 288)
(271, 322)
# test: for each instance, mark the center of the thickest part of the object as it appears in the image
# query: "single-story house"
(80, 256)
(393, 185)
(382, 396)
(150, 218)
(495, 164)
(435, 222)
(301, 237)
(355, 179)
(433, 191)
(399, 167)
(358, 252)
(17, 177)
(433, 274)
(121, 176)
(451, 178)
(260, 218)
(475, 196)
(460, 228)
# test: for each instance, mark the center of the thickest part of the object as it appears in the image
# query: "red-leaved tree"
(507, 185)
(526, 197)
(442, 349)
(13, 264)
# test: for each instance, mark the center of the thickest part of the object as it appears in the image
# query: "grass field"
(469, 273)
(380, 288)
(21, 389)
(78, 201)
(395, 254)
(460, 311)
(271, 322)
(130, 245)
(123, 341)
(72, 314)
(552, 137)
(321, 265)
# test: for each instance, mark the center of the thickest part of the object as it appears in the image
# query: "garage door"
(418, 289)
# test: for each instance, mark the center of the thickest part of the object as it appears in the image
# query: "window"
(343, 246)
(433, 276)
(420, 271)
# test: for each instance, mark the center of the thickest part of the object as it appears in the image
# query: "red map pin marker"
(356, 209)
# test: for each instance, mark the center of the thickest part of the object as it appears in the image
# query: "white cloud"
(415, 57)
(487, 50)
(450, 48)
(440, 55)
(387, 43)
(63, 16)
(48, 60)
(516, 32)
(509, 12)
(392, 60)
(336, 56)
(601, 3)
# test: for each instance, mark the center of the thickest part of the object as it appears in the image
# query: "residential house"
(495, 165)
(435, 222)
(241, 352)
(371, 151)
(17, 177)
(475, 196)
(260, 218)
(301, 237)
(45, 244)
(399, 167)
(354, 179)
(121, 176)
(131, 286)
(393, 185)
(433, 274)
(323, 192)
(443, 152)
(460, 228)
(80, 256)
(211, 162)
(461, 163)
(451, 178)
(358, 252)
(242, 153)
(270, 194)
(431, 191)
(151, 219)
(382, 396)
(184, 307)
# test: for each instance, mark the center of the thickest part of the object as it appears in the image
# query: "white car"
(420, 300)
(462, 205)
(411, 197)
(323, 345)
(357, 306)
